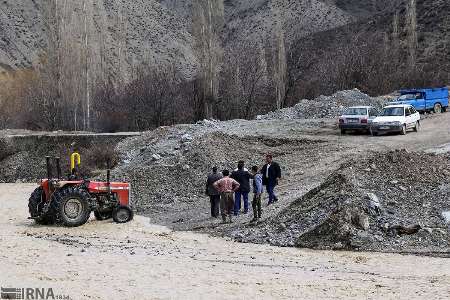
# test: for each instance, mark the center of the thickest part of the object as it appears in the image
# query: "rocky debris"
(446, 216)
(186, 154)
(373, 204)
(359, 211)
(156, 157)
(325, 106)
(400, 229)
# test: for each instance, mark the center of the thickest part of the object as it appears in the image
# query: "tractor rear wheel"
(122, 214)
(35, 208)
(102, 215)
(71, 206)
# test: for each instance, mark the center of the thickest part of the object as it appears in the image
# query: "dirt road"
(102, 260)
(308, 151)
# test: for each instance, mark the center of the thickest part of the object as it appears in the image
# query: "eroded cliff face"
(122, 34)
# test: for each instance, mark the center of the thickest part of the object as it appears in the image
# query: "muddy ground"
(103, 260)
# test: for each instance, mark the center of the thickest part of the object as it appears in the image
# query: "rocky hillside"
(126, 33)
(129, 32)
(433, 28)
(123, 32)
(258, 18)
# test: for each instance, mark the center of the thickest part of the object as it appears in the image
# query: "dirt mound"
(389, 202)
(167, 167)
(325, 106)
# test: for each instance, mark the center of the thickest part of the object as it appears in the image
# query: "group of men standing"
(226, 191)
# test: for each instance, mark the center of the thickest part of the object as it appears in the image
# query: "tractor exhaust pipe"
(58, 167)
(49, 168)
(108, 181)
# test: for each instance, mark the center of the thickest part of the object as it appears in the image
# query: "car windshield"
(356, 111)
(392, 111)
(409, 96)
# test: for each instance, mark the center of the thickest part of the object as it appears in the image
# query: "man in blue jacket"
(271, 172)
(242, 176)
(257, 192)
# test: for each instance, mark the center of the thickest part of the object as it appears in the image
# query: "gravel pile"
(167, 167)
(390, 202)
(325, 106)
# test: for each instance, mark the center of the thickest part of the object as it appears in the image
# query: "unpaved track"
(102, 260)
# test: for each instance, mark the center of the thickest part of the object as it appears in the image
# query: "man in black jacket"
(214, 195)
(242, 176)
(271, 172)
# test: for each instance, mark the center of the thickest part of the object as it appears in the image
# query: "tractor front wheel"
(122, 214)
(72, 206)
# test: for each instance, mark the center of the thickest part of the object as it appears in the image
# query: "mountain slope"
(126, 33)
(123, 32)
(258, 18)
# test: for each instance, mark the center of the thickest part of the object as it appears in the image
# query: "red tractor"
(70, 202)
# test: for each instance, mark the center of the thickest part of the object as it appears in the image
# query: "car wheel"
(403, 132)
(417, 127)
(437, 108)
(373, 133)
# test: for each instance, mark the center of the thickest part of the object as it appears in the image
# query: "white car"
(396, 118)
(357, 118)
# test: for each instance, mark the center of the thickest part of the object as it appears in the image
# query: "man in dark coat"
(242, 176)
(271, 172)
(214, 195)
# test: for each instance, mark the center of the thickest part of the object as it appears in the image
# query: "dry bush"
(100, 156)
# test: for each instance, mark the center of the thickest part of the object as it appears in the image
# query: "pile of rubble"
(167, 167)
(390, 202)
(325, 106)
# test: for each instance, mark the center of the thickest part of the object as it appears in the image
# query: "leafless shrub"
(100, 156)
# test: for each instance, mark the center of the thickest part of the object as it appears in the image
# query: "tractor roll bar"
(75, 161)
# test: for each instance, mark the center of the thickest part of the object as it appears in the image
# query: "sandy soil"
(103, 260)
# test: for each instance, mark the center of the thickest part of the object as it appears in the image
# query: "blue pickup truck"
(425, 100)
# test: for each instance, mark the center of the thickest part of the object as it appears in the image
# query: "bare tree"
(411, 28)
(395, 44)
(207, 23)
(279, 57)
(245, 82)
